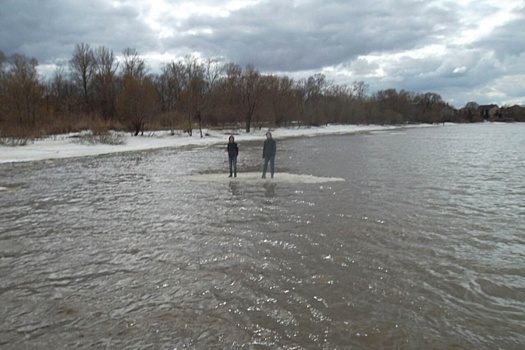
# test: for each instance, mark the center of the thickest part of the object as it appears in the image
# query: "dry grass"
(13, 134)
(92, 129)
(13, 141)
(107, 138)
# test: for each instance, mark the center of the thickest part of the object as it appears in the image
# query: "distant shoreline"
(69, 146)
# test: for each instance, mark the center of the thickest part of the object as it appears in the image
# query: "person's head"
(268, 135)
(231, 139)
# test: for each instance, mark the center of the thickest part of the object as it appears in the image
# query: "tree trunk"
(190, 131)
(248, 123)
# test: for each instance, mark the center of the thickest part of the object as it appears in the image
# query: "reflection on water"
(269, 189)
(234, 188)
(421, 247)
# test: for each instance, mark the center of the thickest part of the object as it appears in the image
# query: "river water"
(421, 247)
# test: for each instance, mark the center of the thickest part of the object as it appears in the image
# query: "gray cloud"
(49, 30)
(384, 43)
(280, 37)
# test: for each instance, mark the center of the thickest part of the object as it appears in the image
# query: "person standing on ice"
(269, 150)
(233, 152)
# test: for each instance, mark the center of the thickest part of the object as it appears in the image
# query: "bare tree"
(337, 101)
(82, 66)
(311, 93)
(105, 81)
(359, 90)
(24, 90)
(170, 85)
(193, 90)
(3, 59)
(251, 87)
(280, 99)
(212, 74)
(228, 93)
(212, 83)
(137, 102)
(3, 81)
(137, 98)
(469, 112)
(133, 65)
(430, 106)
(61, 93)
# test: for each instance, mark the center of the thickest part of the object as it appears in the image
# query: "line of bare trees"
(101, 90)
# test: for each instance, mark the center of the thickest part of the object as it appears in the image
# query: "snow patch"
(255, 177)
(67, 145)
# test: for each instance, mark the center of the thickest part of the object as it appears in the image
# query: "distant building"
(489, 112)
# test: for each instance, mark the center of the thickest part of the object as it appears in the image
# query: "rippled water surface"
(422, 246)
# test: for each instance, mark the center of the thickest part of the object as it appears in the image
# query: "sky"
(463, 50)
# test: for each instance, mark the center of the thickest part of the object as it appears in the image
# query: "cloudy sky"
(464, 50)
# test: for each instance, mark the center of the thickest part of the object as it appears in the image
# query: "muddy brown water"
(421, 247)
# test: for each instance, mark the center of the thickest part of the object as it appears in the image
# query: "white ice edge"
(255, 177)
(66, 146)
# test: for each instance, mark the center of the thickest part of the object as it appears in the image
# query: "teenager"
(233, 152)
(269, 150)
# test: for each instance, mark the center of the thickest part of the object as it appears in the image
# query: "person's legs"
(272, 165)
(265, 167)
(231, 165)
(234, 166)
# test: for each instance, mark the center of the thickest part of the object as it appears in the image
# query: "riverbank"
(70, 145)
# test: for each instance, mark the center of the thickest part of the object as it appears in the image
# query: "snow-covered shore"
(67, 146)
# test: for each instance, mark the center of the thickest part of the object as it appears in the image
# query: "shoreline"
(68, 145)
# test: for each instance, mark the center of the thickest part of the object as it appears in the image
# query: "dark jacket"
(269, 148)
(233, 149)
